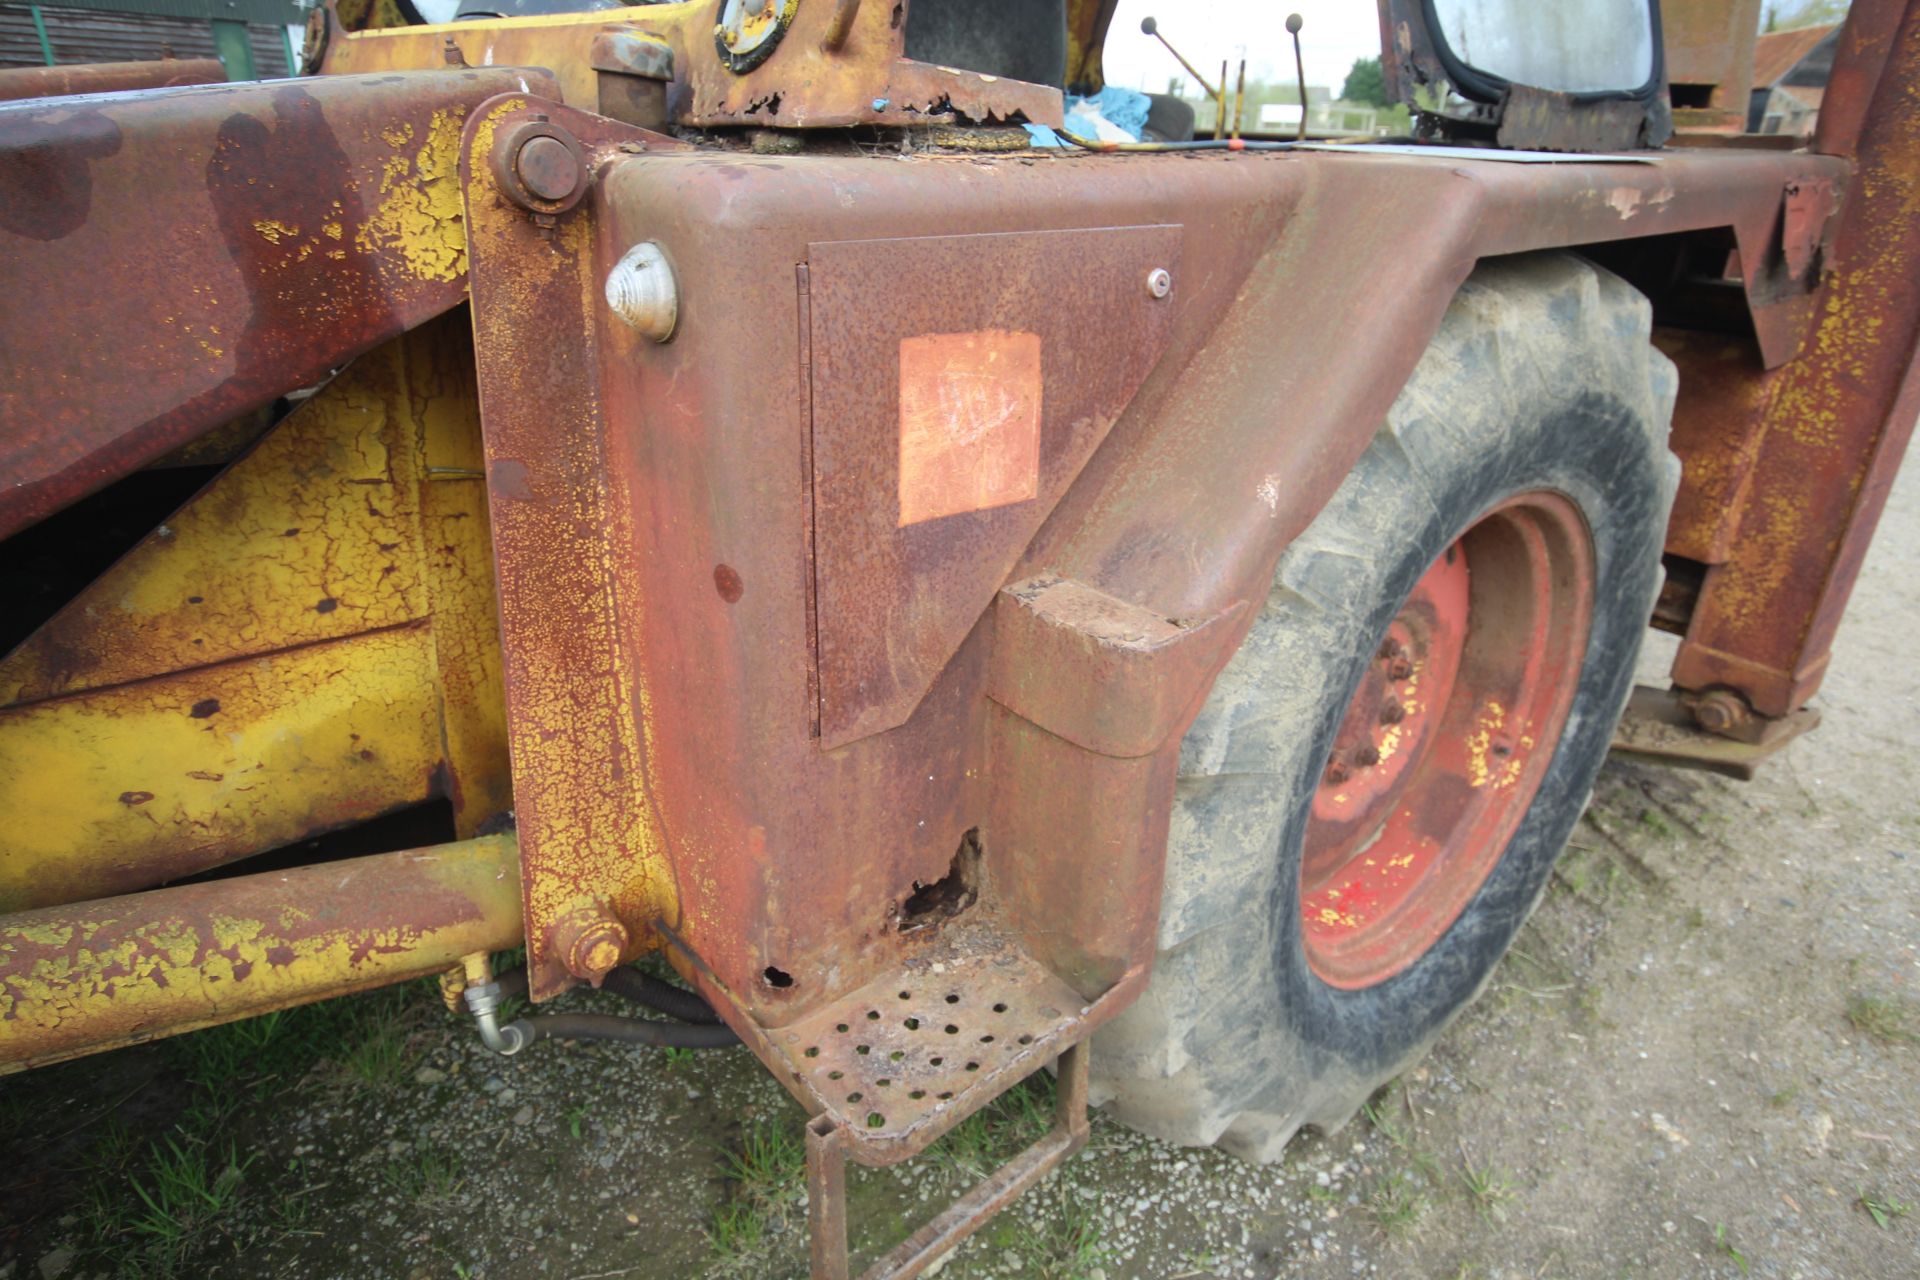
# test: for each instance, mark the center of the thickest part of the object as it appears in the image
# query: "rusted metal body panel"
(663, 534)
(108, 77)
(1832, 427)
(1709, 49)
(94, 975)
(308, 643)
(822, 76)
(173, 259)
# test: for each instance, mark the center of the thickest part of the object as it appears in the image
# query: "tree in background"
(1366, 83)
(1789, 14)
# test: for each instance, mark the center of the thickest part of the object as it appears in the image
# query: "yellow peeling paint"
(420, 212)
(149, 965)
(273, 231)
(310, 642)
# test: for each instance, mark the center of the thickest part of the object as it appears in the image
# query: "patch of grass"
(1884, 1020)
(1063, 1246)
(1656, 822)
(676, 1058)
(736, 1234)
(577, 1120)
(378, 1055)
(1725, 1246)
(767, 1166)
(1488, 1189)
(1000, 1130)
(430, 1179)
(183, 1189)
(1883, 1209)
(1396, 1203)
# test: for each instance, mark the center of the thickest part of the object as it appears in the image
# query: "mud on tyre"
(1372, 798)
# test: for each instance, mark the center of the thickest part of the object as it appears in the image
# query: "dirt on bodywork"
(1702, 1057)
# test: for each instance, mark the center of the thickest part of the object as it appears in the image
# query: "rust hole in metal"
(727, 581)
(906, 995)
(131, 798)
(912, 1024)
(1026, 1039)
(1000, 1008)
(855, 1096)
(835, 1075)
(950, 894)
(917, 1094)
(204, 708)
(934, 1062)
(952, 1030)
(840, 1027)
(875, 1120)
(884, 1081)
(986, 1039)
(327, 605)
(777, 977)
(897, 1055)
(863, 1049)
(873, 1015)
(973, 1066)
(813, 1051)
(944, 1096)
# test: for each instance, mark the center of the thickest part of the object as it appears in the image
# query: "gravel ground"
(1699, 1060)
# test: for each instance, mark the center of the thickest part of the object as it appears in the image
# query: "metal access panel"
(974, 399)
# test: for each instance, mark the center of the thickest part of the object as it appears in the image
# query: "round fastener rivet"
(641, 290)
(1159, 282)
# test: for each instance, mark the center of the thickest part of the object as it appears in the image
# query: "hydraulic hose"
(699, 1028)
(675, 1002)
(606, 1026)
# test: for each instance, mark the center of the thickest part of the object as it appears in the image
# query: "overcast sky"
(1334, 33)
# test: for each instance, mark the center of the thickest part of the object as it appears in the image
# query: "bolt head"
(1336, 772)
(1159, 282)
(1392, 713)
(1367, 757)
(1400, 669)
(548, 168)
(596, 949)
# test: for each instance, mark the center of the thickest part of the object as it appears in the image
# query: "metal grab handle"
(827, 1186)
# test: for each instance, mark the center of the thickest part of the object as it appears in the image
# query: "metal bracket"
(828, 1145)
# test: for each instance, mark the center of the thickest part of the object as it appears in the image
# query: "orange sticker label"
(969, 422)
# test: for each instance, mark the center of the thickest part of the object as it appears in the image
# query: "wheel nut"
(1392, 713)
(1367, 756)
(1336, 772)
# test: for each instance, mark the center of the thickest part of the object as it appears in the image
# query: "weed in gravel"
(1885, 1020)
(1883, 1209)
(431, 1179)
(997, 1132)
(1488, 1189)
(1064, 1245)
(766, 1168)
(1396, 1203)
(577, 1120)
(183, 1189)
(1725, 1246)
(737, 1235)
(1781, 1097)
(378, 1055)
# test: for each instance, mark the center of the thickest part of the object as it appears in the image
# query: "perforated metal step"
(905, 1058)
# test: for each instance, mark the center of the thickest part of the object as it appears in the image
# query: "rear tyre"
(1373, 796)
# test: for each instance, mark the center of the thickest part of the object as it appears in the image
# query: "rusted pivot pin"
(827, 1186)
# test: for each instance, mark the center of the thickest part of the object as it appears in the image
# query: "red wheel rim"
(1446, 740)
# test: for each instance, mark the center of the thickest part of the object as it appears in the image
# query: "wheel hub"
(1446, 740)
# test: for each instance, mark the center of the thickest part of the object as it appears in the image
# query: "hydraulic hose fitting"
(483, 1001)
